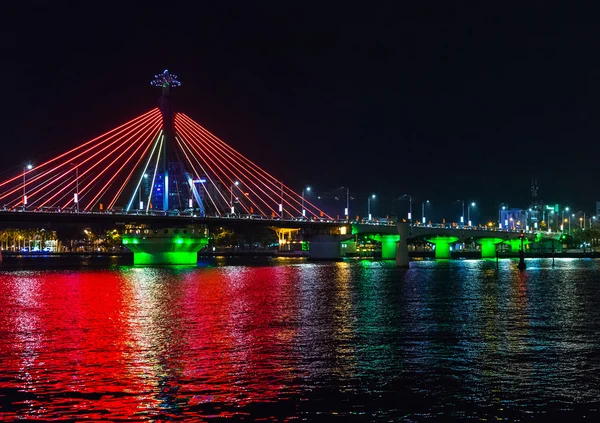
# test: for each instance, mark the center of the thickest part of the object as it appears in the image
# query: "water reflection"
(284, 340)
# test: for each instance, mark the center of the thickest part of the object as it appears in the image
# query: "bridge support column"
(389, 245)
(488, 246)
(285, 236)
(515, 245)
(442, 245)
(325, 247)
(402, 246)
(165, 246)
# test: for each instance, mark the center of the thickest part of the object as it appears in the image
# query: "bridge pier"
(389, 245)
(285, 237)
(402, 246)
(165, 245)
(515, 244)
(488, 246)
(442, 245)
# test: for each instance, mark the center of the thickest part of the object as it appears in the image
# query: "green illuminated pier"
(389, 245)
(442, 245)
(165, 245)
(488, 246)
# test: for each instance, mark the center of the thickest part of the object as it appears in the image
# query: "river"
(287, 339)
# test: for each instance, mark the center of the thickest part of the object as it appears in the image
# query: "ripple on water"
(359, 340)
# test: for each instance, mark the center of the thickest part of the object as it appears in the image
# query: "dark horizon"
(448, 103)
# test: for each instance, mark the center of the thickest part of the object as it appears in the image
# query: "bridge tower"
(170, 158)
(161, 243)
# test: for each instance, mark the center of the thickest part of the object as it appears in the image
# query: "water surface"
(287, 339)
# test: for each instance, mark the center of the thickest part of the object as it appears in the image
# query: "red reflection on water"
(145, 342)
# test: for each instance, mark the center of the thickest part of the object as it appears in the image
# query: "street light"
(76, 195)
(347, 210)
(143, 194)
(409, 207)
(570, 222)
(500, 223)
(307, 190)
(469, 212)
(566, 209)
(28, 166)
(369, 205)
(236, 183)
(423, 210)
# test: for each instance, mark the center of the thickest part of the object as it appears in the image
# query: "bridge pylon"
(488, 246)
(442, 245)
(170, 159)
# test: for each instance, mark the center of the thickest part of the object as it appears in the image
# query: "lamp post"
(347, 211)
(76, 195)
(409, 207)
(462, 216)
(469, 212)
(423, 210)
(303, 210)
(143, 194)
(570, 222)
(28, 166)
(369, 205)
(500, 223)
(236, 183)
(281, 203)
(566, 209)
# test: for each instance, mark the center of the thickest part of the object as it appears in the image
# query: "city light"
(469, 213)
(369, 206)
(423, 211)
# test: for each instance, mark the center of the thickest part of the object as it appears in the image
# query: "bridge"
(166, 178)
(157, 231)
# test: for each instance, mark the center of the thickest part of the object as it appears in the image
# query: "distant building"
(598, 209)
(513, 219)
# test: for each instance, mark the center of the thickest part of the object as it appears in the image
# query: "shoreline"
(126, 258)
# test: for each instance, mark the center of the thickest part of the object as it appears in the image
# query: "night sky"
(445, 102)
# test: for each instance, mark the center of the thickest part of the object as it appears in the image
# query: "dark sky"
(451, 101)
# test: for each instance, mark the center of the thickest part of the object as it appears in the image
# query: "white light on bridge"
(190, 203)
(303, 213)
(141, 205)
(75, 198)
